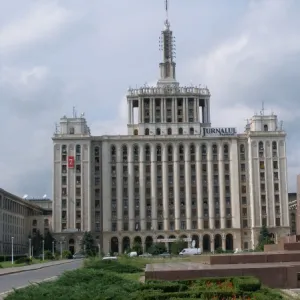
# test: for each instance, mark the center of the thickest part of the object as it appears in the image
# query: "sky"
(58, 54)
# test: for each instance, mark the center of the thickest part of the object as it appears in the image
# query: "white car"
(191, 251)
(109, 258)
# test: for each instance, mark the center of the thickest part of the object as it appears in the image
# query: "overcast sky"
(58, 54)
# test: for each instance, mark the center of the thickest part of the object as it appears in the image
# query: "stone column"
(119, 180)
(165, 186)
(153, 187)
(176, 188)
(222, 187)
(223, 242)
(211, 204)
(199, 187)
(212, 243)
(142, 189)
(129, 112)
(184, 117)
(131, 203)
(187, 178)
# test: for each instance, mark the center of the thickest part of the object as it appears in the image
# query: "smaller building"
(44, 225)
(19, 219)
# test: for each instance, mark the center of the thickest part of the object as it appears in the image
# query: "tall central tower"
(168, 109)
(167, 46)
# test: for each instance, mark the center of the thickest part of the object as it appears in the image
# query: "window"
(157, 131)
(71, 130)
(191, 131)
(266, 127)
(180, 131)
(169, 131)
(147, 131)
(135, 132)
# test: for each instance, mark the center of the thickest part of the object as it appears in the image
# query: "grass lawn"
(8, 264)
(119, 280)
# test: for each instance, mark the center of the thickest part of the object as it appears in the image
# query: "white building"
(172, 176)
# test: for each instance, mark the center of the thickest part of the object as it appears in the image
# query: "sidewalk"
(12, 270)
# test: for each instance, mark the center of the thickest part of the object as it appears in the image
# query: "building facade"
(19, 219)
(172, 176)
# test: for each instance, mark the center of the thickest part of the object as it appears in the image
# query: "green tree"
(48, 241)
(157, 248)
(137, 247)
(177, 246)
(263, 239)
(87, 244)
(36, 243)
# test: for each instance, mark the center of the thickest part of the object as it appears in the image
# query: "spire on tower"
(167, 46)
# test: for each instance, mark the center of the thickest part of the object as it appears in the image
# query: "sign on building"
(71, 162)
(173, 240)
(214, 132)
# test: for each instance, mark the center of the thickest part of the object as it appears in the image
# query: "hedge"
(167, 287)
(247, 284)
(112, 266)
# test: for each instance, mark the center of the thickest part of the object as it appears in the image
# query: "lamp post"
(43, 243)
(53, 248)
(29, 248)
(60, 242)
(99, 250)
(12, 250)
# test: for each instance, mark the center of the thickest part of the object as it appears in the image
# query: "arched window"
(180, 131)
(266, 127)
(274, 145)
(147, 131)
(170, 153)
(135, 132)
(147, 153)
(124, 153)
(261, 146)
(157, 131)
(226, 149)
(96, 151)
(158, 153)
(64, 149)
(113, 150)
(191, 130)
(169, 131)
(136, 153)
(78, 149)
(203, 149)
(242, 149)
(192, 152)
(215, 149)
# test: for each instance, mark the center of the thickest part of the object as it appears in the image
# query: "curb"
(5, 294)
(33, 269)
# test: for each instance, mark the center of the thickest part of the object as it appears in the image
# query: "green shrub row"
(112, 266)
(8, 258)
(168, 287)
(247, 284)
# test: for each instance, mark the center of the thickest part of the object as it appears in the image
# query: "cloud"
(255, 64)
(44, 20)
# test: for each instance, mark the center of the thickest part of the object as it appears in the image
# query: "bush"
(67, 254)
(48, 255)
(247, 284)
(23, 260)
(1, 266)
(167, 287)
(112, 266)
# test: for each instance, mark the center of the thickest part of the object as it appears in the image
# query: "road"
(22, 279)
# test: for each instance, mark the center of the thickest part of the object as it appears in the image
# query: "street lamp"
(53, 248)
(60, 242)
(29, 248)
(12, 250)
(99, 250)
(43, 243)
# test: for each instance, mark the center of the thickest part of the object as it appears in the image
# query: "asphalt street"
(17, 280)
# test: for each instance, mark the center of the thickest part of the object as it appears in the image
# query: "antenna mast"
(167, 10)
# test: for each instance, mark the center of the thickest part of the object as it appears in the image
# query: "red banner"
(71, 162)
